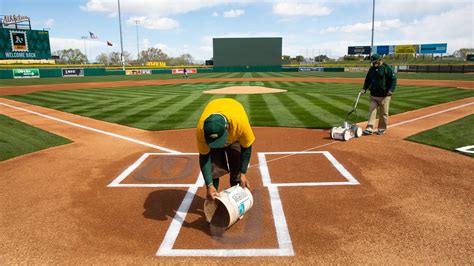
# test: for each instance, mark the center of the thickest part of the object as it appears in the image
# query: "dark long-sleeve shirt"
(380, 80)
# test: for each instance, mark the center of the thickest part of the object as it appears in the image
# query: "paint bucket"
(228, 207)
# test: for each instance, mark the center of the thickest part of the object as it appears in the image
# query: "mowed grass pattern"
(18, 138)
(310, 105)
(40, 81)
(450, 136)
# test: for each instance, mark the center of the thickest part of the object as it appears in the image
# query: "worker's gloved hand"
(211, 193)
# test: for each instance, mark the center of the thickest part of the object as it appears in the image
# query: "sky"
(308, 28)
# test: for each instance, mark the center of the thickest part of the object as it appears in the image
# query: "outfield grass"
(311, 105)
(457, 134)
(39, 81)
(18, 138)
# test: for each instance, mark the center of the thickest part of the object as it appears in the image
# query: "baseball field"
(105, 170)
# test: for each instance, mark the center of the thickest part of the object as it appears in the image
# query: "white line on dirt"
(432, 114)
(93, 129)
(166, 247)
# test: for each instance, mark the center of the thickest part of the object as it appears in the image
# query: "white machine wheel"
(358, 132)
(332, 132)
(347, 134)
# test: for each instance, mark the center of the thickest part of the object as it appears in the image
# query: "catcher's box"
(230, 205)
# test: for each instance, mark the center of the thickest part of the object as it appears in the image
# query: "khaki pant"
(381, 103)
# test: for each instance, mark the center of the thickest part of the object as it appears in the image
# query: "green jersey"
(380, 80)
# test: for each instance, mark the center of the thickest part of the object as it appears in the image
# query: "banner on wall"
(181, 70)
(434, 48)
(382, 49)
(311, 69)
(26, 73)
(138, 72)
(72, 72)
(407, 49)
(358, 50)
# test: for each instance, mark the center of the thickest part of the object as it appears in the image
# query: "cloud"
(154, 23)
(49, 23)
(454, 27)
(300, 9)
(364, 27)
(416, 8)
(158, 8)
(233, 13)
(94, 47)
(215, 14)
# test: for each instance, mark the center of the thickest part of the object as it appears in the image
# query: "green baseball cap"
(215, 131)
(374, 58)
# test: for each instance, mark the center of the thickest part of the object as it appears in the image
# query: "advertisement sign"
(26, 73)
(138, 72)
(382, 49)
(407, 49)
(155, 64)
(24, 44)
(311, 69)
(181, 70)
(358, 50)
(435, 48)
(72, 72)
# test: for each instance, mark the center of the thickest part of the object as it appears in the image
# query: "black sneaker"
(380, 132)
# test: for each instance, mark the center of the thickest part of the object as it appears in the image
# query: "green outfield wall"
(247, 52)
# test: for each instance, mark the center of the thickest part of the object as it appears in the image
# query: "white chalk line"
(166, 247)
(117, 181)
(394, 125)
(429, 115)
(93, 129)
(351, 180)
(178, 219)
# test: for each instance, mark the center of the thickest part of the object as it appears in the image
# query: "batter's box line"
(117, 181)
(339, 167)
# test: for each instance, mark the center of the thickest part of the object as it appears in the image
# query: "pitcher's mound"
(243, 90)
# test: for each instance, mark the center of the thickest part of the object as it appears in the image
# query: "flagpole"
(138, 49)
(85, 47)
(121, 40)
(373, 16)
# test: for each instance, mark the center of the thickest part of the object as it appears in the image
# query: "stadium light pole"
(121, 40)
(138, 48)
(373, 17)
(85, 47)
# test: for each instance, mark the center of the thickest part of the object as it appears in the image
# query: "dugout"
(247, 54)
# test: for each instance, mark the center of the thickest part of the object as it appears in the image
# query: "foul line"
(93, 129)
(432, 114)
(166, 247)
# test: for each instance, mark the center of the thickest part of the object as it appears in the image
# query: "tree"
(321, 58)
(153, 55)
(103, 58)
(299, 58)
(115, 60)
(70, 56)
(184, 59)
(463, 52)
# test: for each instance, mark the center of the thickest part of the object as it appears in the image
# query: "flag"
(109, 43)
(92, 35)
